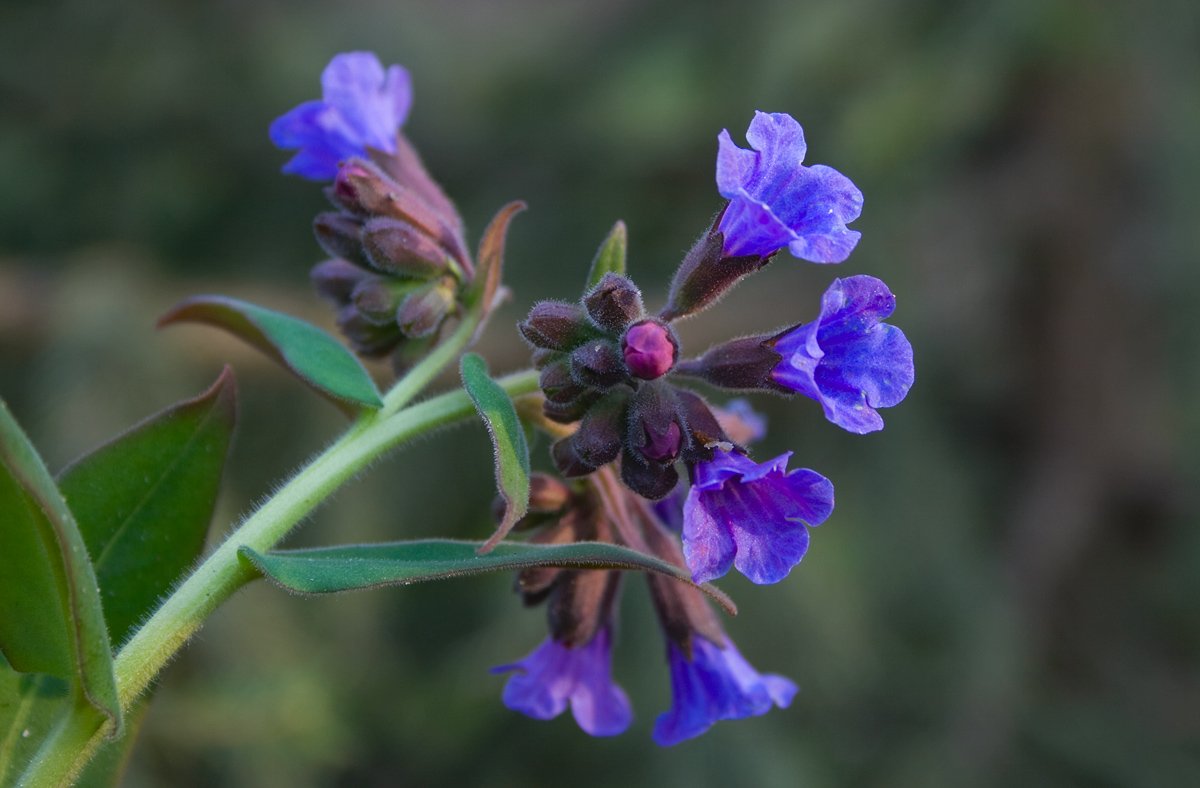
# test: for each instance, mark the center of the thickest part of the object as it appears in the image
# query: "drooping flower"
(754, 516)
(362, 106)
(717, 683)
(776, 202)
(555, 676)
(848, 359)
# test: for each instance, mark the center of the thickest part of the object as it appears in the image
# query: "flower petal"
(708, 547)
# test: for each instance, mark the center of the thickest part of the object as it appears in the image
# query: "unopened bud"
(556, 325)
(574, 410)
(598, 440)
(367, 338)
(340, 235)
(707, 432)
(649, 350)
(336, 279)
(598, 363)
(650, 480)
(557, 383)
(376, 300)
(614, 303)
(398, 248)
(423, 310)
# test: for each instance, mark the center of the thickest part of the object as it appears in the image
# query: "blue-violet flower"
(776, 202)
(554, 675)
(715, 684)
(847, 359)
(751, 515)
(363, 106)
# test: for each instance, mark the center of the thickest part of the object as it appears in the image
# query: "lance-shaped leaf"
(50, 615)
(328, 570)
(305, 350)
(144, 501)
(610, 257)
(508, 442)
(490, 270)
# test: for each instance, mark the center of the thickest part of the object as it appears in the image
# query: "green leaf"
(328, 570)
(508, 442)
(144, 501)
(50, 615)
(305, 350)
(610, 258)
(30, 704)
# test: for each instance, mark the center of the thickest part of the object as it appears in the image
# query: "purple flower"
(751, 515)
(362, 107)
(847, 359)
(777, 202)
(715, 684)
(553, 675)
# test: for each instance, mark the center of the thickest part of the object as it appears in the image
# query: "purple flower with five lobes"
(716, 683)
(754, 516)
(776, 202)
(362, 106)
(848, 359)
(555, 675)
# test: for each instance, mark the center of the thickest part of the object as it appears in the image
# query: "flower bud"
(368, 339)
(335, 280)
(649, 350)
(598, 364)
(744, 363)
(705, 275)
(614, 303)
(655, 424)
(424, 309)
(557, 383)
(597, 442)
(556, 325)
(567, 460)
(376, 300)
(396, 247)
(340, 235)
(574, 410)
(363, 189)
(650, 480)
(704, 426)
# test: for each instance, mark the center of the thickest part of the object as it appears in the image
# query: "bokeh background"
(1009, 590)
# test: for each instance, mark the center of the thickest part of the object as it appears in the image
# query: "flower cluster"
(612, 374)
(399, 265)
(610, 370)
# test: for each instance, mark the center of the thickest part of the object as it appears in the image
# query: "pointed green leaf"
(305, 350)
(144, 501)
(508, 442)
(50, 615)
(610, 258)
(331, 569)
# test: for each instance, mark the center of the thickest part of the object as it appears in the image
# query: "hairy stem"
(73, 742)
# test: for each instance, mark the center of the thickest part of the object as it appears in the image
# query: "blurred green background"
(1009, 590)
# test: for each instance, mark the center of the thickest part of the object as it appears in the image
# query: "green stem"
(79, 734)
(431, 366)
